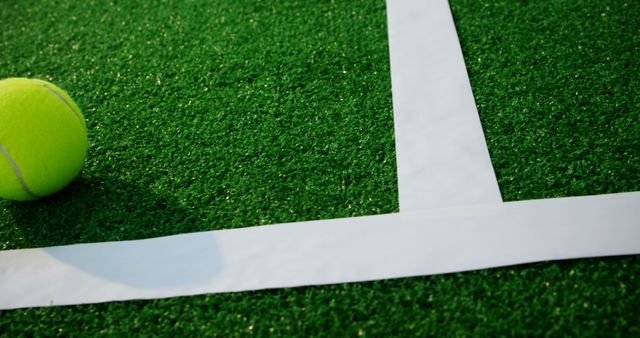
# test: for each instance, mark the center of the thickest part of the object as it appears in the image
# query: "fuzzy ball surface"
(43, 139)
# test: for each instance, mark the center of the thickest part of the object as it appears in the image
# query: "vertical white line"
(441, 152)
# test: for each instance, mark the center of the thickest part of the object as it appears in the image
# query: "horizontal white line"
(323, 252)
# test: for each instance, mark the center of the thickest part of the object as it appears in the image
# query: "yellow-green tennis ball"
(43, 139)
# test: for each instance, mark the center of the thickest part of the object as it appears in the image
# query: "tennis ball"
(43, 139)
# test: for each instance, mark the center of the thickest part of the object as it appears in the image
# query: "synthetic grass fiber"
(219, 114)
(209, 116)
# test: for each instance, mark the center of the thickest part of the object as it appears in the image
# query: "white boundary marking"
(443, 160)
(323, 252)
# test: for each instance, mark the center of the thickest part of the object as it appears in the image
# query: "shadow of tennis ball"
(98, 210)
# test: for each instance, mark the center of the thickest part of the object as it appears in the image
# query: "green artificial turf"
(208, 116)
(557, 85)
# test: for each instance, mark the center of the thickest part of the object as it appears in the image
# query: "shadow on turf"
(99, 210)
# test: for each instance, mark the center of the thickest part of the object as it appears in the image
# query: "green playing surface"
(221, 114)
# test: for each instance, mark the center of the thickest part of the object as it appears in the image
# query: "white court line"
(458, 238)
(442, 157)
(323, 252)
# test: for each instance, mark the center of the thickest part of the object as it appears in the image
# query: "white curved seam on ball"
(67, 103)
(18, 172)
